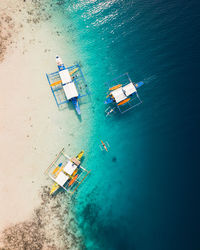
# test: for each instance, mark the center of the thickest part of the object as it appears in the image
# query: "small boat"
(67, 84)
(123, 93)
(104, 146)
(68, 174)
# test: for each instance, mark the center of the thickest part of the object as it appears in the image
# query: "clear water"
(143, 194)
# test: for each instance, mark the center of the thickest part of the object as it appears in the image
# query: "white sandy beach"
(32, 130)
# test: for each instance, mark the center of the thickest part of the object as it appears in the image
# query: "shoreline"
(32, 131)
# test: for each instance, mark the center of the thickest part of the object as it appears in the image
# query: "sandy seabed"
(32, 130)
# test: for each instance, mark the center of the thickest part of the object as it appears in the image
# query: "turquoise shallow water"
(143, 194)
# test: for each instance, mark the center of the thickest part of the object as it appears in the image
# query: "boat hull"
(74, 99)
(138, 85)
(80, 155)
(76, 105)
(61, 67)
(108, 100)
(54, 188)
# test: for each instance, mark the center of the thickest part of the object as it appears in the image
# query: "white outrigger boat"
(122, 94)
(67, 84)
(66, 172)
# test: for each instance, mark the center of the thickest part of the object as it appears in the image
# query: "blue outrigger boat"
(122, 94)
(67, 84)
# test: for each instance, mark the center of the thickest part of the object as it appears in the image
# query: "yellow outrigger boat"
(67, 174)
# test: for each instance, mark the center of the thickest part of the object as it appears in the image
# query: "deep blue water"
(144, 193)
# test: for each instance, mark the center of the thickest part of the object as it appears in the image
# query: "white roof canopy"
(68, 86)
(61, 178)
(129, 89)
(69, 168)
(119, 95)
(70, 90)
(65, 76)
(122, 93)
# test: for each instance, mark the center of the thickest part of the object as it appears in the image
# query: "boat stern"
(76, 105)
(108, 100)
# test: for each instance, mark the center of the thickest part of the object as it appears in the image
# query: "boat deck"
(64, 172)
(128, 102)
(57, 89)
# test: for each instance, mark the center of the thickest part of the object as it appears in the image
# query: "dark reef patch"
(38, 233)
(114, 159)
(104, 232)
(7, 29)
(29, 12)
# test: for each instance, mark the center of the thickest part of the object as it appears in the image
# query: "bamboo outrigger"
(66, 172)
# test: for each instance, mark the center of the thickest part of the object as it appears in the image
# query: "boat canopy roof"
(122, 93)
(70, 90)
(69, 168)
(65, 76)
(61, 178)
(129, 89)
(118, 95)
(68, 86)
